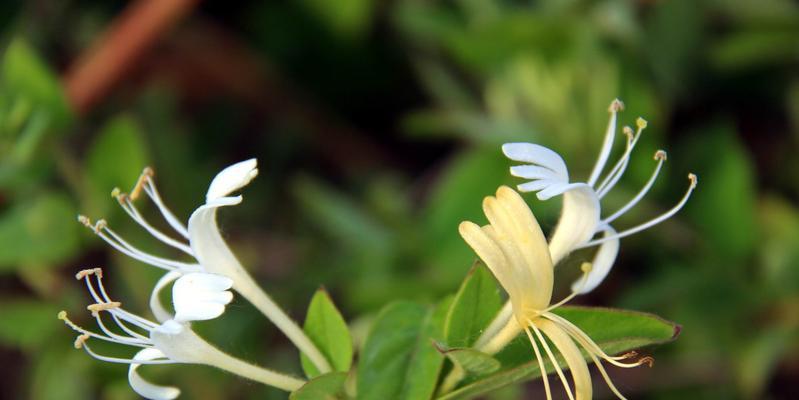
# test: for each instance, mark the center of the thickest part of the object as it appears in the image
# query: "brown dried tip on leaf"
(80, 340)
(660, 155)
(86, 272)
(98, 307)
(616, 105)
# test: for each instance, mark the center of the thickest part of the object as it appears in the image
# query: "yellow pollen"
(586, 267)
(640, 123)
(81, 340)
(145, 174)
(97, 307)
(615, 106)
(86, 272)
(660, 155)
(62, 315)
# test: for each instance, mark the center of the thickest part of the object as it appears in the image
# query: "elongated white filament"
(553, 360)
(641, 193)
(649, 223)
(540, 363)
(607, 145)
(618, 170)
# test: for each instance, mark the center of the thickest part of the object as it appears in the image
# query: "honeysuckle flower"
(581, 224)
(513, 247)
(196, 296)
(202, 242)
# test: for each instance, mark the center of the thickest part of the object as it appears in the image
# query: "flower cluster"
(514, 248)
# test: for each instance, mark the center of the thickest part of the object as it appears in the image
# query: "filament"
(540, 363)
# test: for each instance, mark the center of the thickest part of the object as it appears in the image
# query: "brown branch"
(120, 46)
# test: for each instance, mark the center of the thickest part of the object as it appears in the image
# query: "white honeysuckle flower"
(581, 224)
(171, 341)
(202, 241)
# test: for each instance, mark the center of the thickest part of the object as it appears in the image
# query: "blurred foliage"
(421, 93)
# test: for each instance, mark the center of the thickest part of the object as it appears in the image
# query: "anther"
(100, 225)
(91, 271)
(62, 315)
(145, 174)
(649, 361)
(98, 307)
(586, 267)
(640, 123)
(628, 132)
(85, 221)
(694, 180)
(81, 340)
(660, 155)
(630, 354)
(616, 105)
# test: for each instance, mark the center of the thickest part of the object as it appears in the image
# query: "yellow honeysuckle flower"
(514, 248)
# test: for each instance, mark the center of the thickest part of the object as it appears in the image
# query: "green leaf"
(324, 387)
(26, 323)
(117, 157)
(327, 329)
(41, 232)
(398, 360)
(25, 77)
(470, 360)
(615, 331)
(474, 306)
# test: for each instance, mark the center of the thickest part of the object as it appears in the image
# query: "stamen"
(100, 225)
(618, 170)
(540, 363)
(170, 218)
(126, 248)
(133, 341)
(660, 157)
(96, 308)
(651, 222)
(615, 106)
(81, 340)
(124, 360)
(553, 360)
(87, 272)
(63, 316)
(134, 214)
(605, 376)
(146, 173)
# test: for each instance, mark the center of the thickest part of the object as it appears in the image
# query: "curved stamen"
(170, 218)
(553, 360)
(153, 260)
(651, 222)
(618, 170)
(605, 376)
(133, 341)
(591, 346)
(127, 205)
(104, 298)
(614, 108)
(660, 157)
(63, 316)
(540, 363)
(116, 360)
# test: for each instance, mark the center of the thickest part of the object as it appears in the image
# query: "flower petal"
(158, 309)
(200, 296)
(147, 389)
(538, 155)
(232, 178)
(603, 261)
(574, 359)
(206, 241)
(578, 221)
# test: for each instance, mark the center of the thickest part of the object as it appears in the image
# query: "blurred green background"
(377, 127)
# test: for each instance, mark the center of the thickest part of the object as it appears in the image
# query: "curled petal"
(578, 221)
(147, 389)
(158, 309)
(603, 261)
(538, 155)
(200, 296)
(232, 178)
(206, 241)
